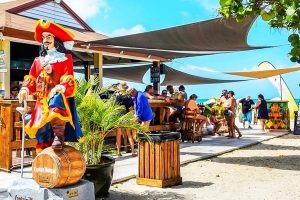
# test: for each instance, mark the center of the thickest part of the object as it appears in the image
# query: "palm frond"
(97, 118)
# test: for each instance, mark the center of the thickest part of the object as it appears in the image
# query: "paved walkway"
(126, 167)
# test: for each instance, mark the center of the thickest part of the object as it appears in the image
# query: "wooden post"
(5, 76)
(98, 63)
(87, 71)
(155, 77)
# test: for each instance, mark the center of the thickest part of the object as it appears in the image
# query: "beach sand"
(270, 170)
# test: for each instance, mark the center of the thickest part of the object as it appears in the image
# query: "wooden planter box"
(159, 163)
(11, 133)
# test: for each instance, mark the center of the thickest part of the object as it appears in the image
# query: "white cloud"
(89, 8)
(184, 13)
(209, 5)
(202, 69)
(133, 30)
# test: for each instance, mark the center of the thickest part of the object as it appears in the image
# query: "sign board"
(154, 74)
(2, 59)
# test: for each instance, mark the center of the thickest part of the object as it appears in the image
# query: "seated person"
(215, 122)
(191, 105)
(166, 114)
(182, 90)
(175, 111)
(149, 93)
(14, 92)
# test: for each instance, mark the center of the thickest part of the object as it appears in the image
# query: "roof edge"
(35, 3)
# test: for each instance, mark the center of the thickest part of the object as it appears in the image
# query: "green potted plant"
(98, 118)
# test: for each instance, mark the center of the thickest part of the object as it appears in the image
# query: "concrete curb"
(184, 163)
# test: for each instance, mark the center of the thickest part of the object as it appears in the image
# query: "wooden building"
(18, 47)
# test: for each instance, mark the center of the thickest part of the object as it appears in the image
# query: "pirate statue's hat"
(57, 30)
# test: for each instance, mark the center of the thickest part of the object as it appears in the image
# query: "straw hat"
(123, 86)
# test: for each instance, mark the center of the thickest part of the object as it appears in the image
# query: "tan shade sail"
(197, 39)
(176, 77)
(264, 73)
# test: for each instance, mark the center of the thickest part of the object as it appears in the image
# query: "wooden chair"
(190, 126)
(10, 134)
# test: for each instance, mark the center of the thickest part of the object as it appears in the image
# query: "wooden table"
(159, 105)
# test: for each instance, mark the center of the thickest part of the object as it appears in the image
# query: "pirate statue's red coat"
(51, 79)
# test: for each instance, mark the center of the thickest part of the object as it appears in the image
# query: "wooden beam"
(87, 71)
(5, 76)
(28, 37)
(98, 63)
(127, 54)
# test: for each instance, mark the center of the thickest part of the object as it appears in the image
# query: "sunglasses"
(164, 93)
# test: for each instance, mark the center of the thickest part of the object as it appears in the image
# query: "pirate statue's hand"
(23, 94)
(57, 89)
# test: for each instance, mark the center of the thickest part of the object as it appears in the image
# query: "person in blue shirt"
(142, 107)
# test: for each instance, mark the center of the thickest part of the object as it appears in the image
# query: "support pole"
(280, 87)
(87, 71)
(98, 63)
(5, 75)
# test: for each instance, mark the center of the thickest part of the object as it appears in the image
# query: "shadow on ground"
(167, 195)
(192, 184)
(263, 146)
(144, 195)
(283, 162)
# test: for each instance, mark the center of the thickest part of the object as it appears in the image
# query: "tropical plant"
(98, 118)
(278, 13)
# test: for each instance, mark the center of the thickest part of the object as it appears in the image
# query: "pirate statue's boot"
(58, 127)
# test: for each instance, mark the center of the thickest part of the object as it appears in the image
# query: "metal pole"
(280, 87)
(22, 110)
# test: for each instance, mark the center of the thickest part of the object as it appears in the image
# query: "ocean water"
(255, 100)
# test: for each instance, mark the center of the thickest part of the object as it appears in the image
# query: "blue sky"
(117, 17)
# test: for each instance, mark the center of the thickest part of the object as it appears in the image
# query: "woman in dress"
(262, 111)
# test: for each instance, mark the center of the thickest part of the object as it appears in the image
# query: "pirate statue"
(51, 79)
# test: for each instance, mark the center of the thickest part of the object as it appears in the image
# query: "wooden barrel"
(58, 168)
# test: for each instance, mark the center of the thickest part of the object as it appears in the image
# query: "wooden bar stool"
(190, 127)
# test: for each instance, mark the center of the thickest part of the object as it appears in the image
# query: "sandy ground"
(270, 170)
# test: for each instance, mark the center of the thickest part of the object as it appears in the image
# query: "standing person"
(122, 98)
(142, 107)
(223, 97)
(149, 92)
(246, 110)
(51, 77)
(262, 111)
(230, 108)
